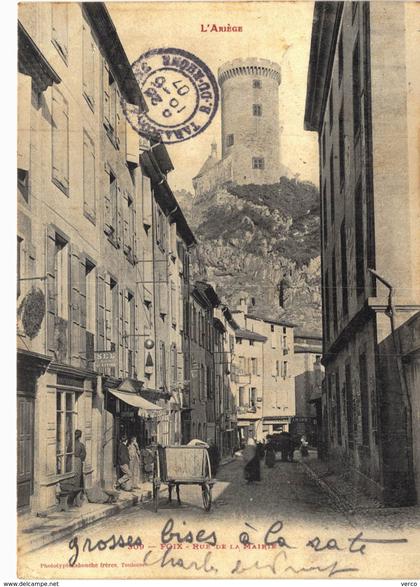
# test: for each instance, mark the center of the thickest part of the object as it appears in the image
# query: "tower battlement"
(252, 67)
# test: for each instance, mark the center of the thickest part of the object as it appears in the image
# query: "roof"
(306, 334)
(208, 164)
(155, 163)
(207, 293)
(249, 335)
(299, 348)
(271, 320)
(325, 25)
(106, 32)
(33, 62)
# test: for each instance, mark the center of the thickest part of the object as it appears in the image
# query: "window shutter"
(133, 231)
(60, 139)
(51, 290)
(162, 288)
(59, 27)
(88, 65)
(146, 200)
(108, 314)
(107, 198)
(82, 297)
(126, 221)
(119, 226)
(24, 120)
(173, 304)
(74, 305)
(100, 319)
(106, 102)
(122, 310)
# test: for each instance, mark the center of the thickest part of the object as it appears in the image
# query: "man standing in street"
(125, 481)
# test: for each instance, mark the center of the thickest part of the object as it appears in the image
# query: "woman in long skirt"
(134, 454)
(252, 462)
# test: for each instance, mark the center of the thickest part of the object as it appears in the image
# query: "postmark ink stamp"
(181, 94)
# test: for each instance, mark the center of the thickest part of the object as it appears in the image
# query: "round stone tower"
(250, 119)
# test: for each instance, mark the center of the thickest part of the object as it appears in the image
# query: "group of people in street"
(254, 452)
(129, 463)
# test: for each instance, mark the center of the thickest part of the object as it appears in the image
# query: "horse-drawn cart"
(182, 465)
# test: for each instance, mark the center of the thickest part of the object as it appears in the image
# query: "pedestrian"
(79, 459)
(252, 462)
(270, 455)
(125, 481)
(304, 446)
(134, 455)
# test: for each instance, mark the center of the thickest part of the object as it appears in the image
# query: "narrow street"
(291, 527)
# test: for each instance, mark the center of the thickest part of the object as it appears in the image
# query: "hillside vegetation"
(253, 237)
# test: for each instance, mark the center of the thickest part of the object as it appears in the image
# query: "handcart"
(182, 465)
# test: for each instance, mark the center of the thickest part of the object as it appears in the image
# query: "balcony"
(246, 410)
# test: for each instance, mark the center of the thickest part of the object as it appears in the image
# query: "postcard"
(218, 301)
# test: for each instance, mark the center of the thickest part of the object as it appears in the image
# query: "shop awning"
(145, 408)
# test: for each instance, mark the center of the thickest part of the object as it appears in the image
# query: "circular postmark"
(180, 91)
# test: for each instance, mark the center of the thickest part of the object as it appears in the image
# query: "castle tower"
(250, 119)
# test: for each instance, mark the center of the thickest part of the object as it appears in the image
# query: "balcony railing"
(246, 409)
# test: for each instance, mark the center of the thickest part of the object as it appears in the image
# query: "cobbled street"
(292, 527)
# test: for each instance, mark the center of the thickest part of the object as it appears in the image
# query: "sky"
(279, 31)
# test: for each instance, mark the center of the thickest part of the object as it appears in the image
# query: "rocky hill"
(262, 242)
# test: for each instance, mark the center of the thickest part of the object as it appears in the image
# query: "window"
(251, 343)
(173, 304)
(131, 327)
(253, 397)
(90, 274)
(129, 226)
(349, 405)
(242, 365)
(88, 67)
(356, 90)
(60, 141)
(338, 406)
(111, 207)
(160, 229)
(23, 183)
(59, 22)
(340, 59)
(334, 291)
(257, 83)
(257, 109)
(327, 304)
(62, 277)
(332, 186)
(359, 236)
(364, 398)
(331, 107)
(342, 154)
(230, 139)
(89, 177)
(110, 105)
(238, 340)
(284, 369)
(162, 365)
(254, 366)
(174, 357)
(112, 312)
(273, 337)
(19, 263)
(344, 283)
(277, 368)
(242, 397)
(284, 344)
(325, 213)
(65, 425)
(257, 163)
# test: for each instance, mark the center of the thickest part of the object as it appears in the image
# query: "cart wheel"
(155, 496)
(206, 493)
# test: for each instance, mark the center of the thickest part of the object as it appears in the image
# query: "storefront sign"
(105, 360)
(303, 419)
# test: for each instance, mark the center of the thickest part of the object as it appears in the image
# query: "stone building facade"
(360, 101)
(77, 199)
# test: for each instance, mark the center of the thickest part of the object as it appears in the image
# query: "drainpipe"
(391, 313)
